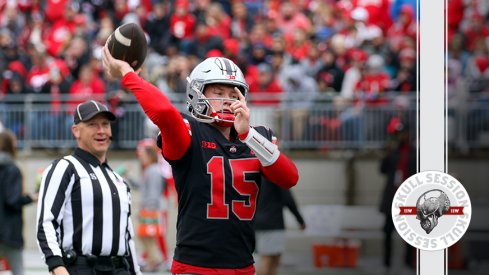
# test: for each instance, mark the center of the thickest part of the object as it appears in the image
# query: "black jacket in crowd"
(11, 202)
(388, 167)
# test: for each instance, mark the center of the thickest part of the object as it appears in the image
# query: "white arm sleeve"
(266, 152)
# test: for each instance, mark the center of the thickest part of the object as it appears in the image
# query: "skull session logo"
(428, 210)
(431, 210)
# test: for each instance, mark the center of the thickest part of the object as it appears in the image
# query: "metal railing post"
(28, 108)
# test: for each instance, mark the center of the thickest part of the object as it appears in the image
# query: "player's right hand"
(241, 113)
(60, 270)
(114, 67)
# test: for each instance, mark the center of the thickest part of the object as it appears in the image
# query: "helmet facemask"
(201, 108)
(213, 71)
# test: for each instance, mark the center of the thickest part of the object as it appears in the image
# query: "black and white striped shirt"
(84, 206)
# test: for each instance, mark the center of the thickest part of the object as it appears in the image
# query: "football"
(128, 43)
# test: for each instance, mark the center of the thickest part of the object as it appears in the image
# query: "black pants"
(99, 266)
(87, 270)
(410, 252)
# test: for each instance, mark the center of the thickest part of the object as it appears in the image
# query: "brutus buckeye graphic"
(430, 206)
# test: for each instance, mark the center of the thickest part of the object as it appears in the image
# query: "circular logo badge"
(431, 210)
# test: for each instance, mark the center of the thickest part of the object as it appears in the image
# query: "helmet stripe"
(228, 66)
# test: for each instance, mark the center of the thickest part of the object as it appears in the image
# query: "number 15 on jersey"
(243, 209)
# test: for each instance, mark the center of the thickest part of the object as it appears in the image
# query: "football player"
(217, 161)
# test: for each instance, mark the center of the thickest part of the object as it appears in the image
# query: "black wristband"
(53, 262)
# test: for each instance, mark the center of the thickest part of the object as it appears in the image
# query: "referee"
(84, 207)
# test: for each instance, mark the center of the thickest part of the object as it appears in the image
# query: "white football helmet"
(213, 70)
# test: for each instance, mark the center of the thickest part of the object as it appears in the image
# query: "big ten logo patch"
(431, 210)
(208, 145)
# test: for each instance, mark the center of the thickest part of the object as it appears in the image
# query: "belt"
(115, 261)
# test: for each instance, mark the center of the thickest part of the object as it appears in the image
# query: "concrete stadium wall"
(322, 181)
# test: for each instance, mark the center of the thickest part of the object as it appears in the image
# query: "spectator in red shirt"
(121, 9)
(374, 82)
(232, 49)
(182, 25)
(54, 10)
(88, 86)
(265, 89)
(52, 77)
(455, 15)
(299, 44)
(62, 30)
(477, 29)
(218, 21)
(13, 68)
(48, 75)
(370, 91)
(403, 27)
(291, 17)
(378, 12)
(260, 34)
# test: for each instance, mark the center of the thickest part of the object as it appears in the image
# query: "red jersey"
(182, 26)
(372, 86)
(378, 12)
(272, 89)
(79, 92)
(58, 36)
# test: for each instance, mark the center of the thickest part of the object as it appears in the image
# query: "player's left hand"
(241, 114)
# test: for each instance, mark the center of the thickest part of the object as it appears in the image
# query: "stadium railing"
(323, 123)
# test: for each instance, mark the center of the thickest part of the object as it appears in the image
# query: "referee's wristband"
(54, 261)
(266, 152)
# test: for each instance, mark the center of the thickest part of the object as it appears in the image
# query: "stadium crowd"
(292, 51)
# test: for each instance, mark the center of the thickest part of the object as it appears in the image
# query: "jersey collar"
(89, 158)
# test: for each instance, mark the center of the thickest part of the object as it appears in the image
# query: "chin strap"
(266, 152)
(223, 119)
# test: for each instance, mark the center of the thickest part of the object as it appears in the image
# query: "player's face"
(94, 136)
(221, 91)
